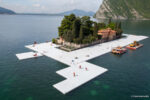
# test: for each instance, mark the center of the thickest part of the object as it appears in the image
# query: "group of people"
(80, 67)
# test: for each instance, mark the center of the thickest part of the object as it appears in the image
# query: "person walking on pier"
(80, 67)
(86, 69)
(74, 74)
(34, 43)
(35, 55)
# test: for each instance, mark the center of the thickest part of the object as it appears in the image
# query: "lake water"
(32, 79)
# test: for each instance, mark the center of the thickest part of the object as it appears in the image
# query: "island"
(78, 32)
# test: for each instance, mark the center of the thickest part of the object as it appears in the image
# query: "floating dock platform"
(74, 75)
(27, 55)
(82, 75)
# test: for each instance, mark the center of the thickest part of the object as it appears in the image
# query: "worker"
(74, 74)
(86, 69)
(35, 54)
(80, 67)
(34, 43)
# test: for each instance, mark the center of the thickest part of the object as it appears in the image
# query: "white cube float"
(27, 55)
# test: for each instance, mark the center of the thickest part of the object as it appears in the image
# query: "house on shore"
(107, 34)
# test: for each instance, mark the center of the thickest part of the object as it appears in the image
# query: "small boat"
(135, 45)
(119, 50)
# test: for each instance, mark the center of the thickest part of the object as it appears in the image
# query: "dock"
(28, 55)
(75, 76)
(84, 74)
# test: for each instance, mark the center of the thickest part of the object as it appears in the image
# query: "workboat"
(119, 50)
(135, 45)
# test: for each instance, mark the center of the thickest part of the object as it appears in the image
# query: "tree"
(116, 25)
(81, 36)
(85, 20)
(101, 25)
(119, 25)
(66, 24)
(69, 37)
(77, 41)
(95, 30)
(76, 28)
(111, 25)
(109, 21)
(71, 17)
(60, 31)
(54, 40)
(119, 33)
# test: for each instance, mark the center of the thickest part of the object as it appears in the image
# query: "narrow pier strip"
(27, 55)
(77, 75)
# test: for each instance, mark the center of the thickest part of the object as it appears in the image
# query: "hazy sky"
(50, 6)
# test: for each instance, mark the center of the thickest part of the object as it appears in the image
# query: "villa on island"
(107, 34)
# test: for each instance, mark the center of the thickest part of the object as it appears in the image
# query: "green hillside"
(126, 8)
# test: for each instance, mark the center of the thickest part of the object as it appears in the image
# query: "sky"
(50, 6)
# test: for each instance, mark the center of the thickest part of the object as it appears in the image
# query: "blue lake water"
(32, 79)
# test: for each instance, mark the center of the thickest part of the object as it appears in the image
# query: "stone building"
(107, 34)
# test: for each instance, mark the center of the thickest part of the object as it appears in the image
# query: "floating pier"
(77, 75)
(79, 71)
(27, 55)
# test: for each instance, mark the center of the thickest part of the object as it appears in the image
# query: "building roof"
(105, 31)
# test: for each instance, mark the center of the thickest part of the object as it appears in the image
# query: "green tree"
(119, 33)
(116, 25)
(86, 21)
(111, 25)
(66, 24)
(76, 28)
(101, 25)
(54, 40)
(119, 25)
(69, 37)
(109, 21)
(81, 36)
(95, 29)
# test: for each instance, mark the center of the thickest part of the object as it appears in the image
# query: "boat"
(133, 46)
(119, 50)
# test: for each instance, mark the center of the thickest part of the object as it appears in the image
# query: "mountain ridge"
(124, 9)
(6, 11)
(78, 12)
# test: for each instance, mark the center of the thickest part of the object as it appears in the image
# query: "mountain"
(124, 9)
(6, 11)
(78, 13)
(75, 11)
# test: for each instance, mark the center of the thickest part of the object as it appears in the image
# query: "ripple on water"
(106, 86)
(6, 90)
(96, 82)
(10, 81)
(93, 92)
(29, 98)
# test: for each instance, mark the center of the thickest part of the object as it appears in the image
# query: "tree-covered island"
(77, 32)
